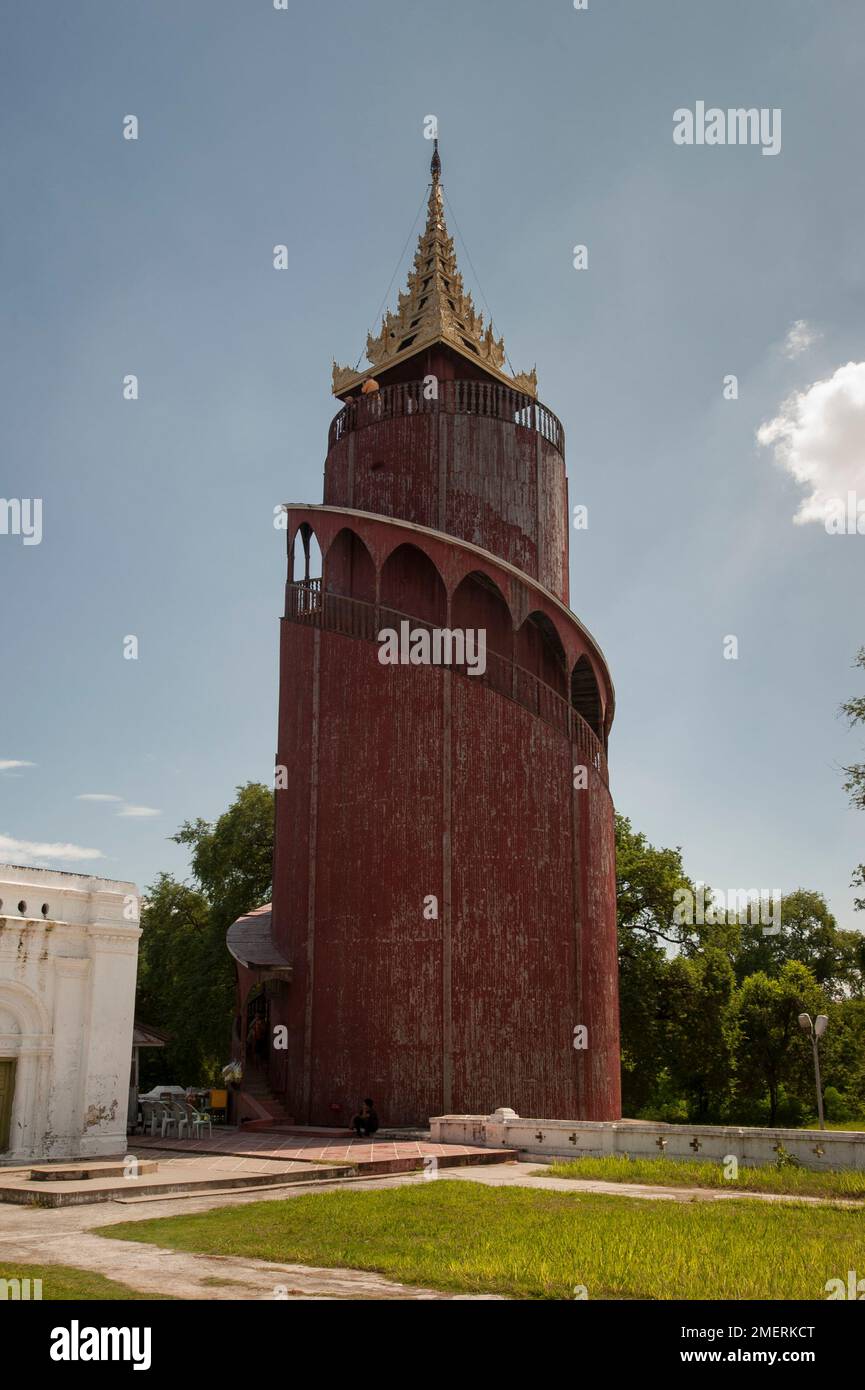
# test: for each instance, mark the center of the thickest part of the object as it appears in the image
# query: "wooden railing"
(306, 602)
(452, 398)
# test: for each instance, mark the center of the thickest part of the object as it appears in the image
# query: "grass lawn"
(62, 1281)
(670, 1172)
(527, 1243)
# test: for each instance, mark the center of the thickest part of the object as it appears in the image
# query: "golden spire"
(434, 308)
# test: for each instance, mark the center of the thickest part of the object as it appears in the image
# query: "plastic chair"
(177, 1117)
(150, 1116)
(199, 1120)
(164, 1117)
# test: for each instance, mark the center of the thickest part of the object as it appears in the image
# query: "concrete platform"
(233, 1161)
(192, 1175)
(90, 1171)
(297, 1144)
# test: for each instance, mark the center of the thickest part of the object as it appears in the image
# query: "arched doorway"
(8, 1066)
(586, 697)
(412, 586)
(257, 1030)
(539, 650)
(349, 569)
(478, 602)
(25, 1060)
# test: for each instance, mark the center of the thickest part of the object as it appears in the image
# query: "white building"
(68, 959)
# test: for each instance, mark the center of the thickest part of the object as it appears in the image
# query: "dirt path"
(150, 1269)
(520, 1175)
(64, 1236)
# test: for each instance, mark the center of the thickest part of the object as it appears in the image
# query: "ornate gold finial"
(434, 308)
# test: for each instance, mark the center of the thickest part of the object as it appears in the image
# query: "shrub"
(836, 1106)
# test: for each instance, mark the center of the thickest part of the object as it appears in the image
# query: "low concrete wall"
(547, 1139)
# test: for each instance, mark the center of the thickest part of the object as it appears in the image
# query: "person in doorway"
(259, 1035)
(365, 1121)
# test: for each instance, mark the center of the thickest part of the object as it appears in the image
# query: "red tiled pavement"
(316, 1148)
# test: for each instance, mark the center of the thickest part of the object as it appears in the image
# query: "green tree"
(232, 860)
(647, 879)
(842, 1052)
(186, 977)
(772, 1051)
(810, 934)
(854, 782)
(177, 990)
(701, 1031)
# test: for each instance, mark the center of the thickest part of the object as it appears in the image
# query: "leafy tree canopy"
(854, 782)
(185, 974)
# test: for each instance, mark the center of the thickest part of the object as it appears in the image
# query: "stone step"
(22, 1192)
(69, 1195)
(92, 1172)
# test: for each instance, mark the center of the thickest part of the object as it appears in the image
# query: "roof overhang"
(250, 941)
(145, 1036)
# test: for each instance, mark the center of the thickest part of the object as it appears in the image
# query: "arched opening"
(539, 649)
(10, 1041)
(350, 568)
(256, 1029)
(25, 1062)
(306, 561)
(304, 598)
(586, 697)
(479, 604)
(411, 585)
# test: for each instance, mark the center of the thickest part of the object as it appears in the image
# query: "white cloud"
(136, 812)
(819, 438)
(800, 338)
(37, 851)
(7, 763)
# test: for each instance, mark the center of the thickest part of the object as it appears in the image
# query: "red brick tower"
(443, 912)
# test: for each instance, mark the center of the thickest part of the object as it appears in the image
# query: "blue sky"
(305, 127)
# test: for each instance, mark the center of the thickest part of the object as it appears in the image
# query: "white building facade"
(68, 961)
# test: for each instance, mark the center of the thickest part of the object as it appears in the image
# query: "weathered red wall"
(599, 964)
(410, 781)
(498, 485)
(419, 781)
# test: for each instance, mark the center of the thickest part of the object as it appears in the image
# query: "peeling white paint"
(68, 960)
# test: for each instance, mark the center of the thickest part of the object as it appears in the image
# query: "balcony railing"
(454, 398)
(307, 602)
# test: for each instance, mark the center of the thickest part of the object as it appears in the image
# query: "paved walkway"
(172, 1172)
(233, 1157)
(316, 1146)
(520, 1175)
(64, 1236)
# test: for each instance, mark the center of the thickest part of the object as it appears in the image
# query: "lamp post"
(816, 1030)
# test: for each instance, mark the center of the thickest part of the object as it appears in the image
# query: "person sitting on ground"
(366, 1122)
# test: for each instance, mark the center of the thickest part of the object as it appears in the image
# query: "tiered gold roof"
(434, 308)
